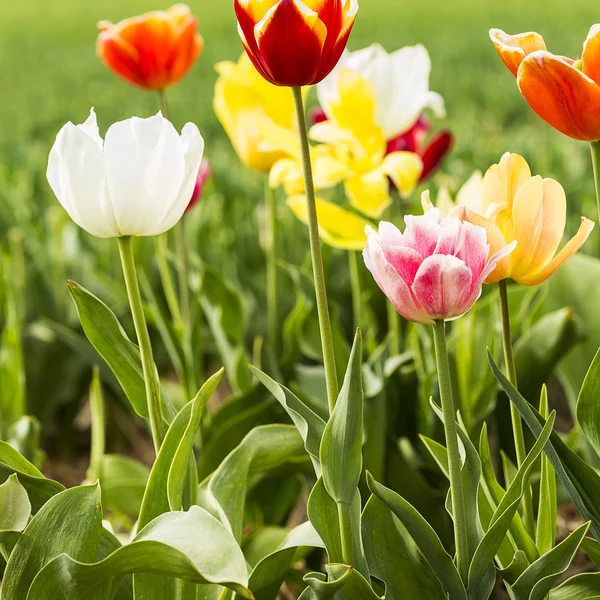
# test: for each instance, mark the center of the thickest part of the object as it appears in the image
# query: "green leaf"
(323, 514)
(588, 407)
(344, 583)
(539, 350)
(268, 574)
(341, 446)
(537, 580)
(424, 537)
(309, 424)
(39, 489)
(179, 464)
(580, 480)
(105, 333)
(15, 507)
(189, 545)
(68, 523)
(592, 548)
(123, 481)
(393, 557)
(503, 516)
(545, 535)
(264, 448)
(585, 586)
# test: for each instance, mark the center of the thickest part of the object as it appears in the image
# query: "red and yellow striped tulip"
(295, 42)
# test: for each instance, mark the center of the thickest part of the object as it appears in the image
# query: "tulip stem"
(331, 379)
(272, 253)
(454, 461)
(515, 417)
(595, 146)
(141, 329)
(356, 288)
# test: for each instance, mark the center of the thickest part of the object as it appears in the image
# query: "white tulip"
(400, 81)
(138, 181)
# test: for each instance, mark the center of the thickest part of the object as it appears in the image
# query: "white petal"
(90, 126)
(145, 170)
(193, 149)
(76, 175)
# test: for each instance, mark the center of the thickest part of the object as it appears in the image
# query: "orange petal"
(590, 58)
(539, 217)
(514, 48)
(290, 41)
(562, 95)
(495, 239)
(569, 249)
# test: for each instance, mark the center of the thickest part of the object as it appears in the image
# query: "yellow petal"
(287, 172)
(404, 169)
(426, 202)
(501, 181)
(338, 227)
(538, 218)
(471, 192)
(369, 193)
(569, 249)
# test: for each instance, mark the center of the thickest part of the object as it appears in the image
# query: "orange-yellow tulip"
(563, 92)
(153, 50)
(530, 210)
(295, 42)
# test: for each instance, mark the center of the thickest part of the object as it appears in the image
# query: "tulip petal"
(471, 192)
(473, 248)
(76, 175)
(514, 48)
(338, 227)
(434, 153)
(561, 95)
(539, 219)
(590, 58)
(392, 284)
(495, 239)
(145, 169)
(193, 149)
(290, 39)
(568, 250)
(369, 193)
(501, 182)
(422, 232)
(442, 286)
(404, 169)
(406, 261)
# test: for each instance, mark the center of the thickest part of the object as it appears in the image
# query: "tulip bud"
(435, 269)
(295, 43)
(154, 50)
(138, 181)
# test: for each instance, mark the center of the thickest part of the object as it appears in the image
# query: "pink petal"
(442, 286)
(391, 234)
(391, 283)
(449, 237)
(405, 261)
(422, 232)
(474, 248)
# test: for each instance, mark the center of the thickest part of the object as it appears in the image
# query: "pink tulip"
(435, 269)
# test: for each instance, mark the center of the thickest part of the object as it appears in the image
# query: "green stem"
(353, 260)
(515, 417)
(454, 461)
(98, 427)
(164, 105)
(272, 253)
(141, 329)
(331, 379)
(346, 534)
(595, 146)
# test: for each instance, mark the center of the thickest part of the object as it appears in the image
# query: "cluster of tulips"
(371, 143)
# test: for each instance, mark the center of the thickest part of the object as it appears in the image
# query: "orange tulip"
(295, 42)
(563, 92)
(530, 210)
(153, 50)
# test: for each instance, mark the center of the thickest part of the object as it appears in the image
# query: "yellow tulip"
(530, 210)
(353, 150)
(338, 227)
(259, 117)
